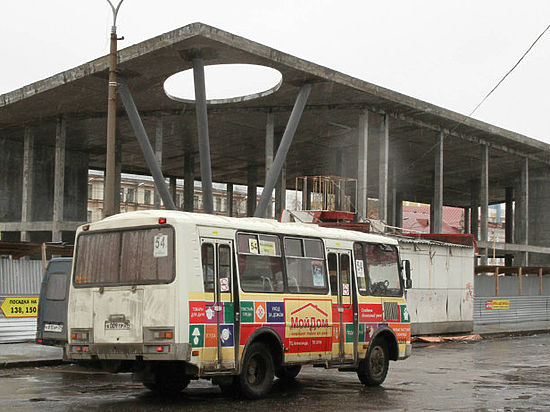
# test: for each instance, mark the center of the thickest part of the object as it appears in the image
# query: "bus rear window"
(137, 256)
(56, 288)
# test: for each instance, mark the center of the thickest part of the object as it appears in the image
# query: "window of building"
(130, 194)
(260, 263)
(218, 207)
(90, 191)
(89, 217)
(305, 266)
(147, 197)
(197, 204)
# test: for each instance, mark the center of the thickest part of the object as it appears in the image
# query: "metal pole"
(282, 151)
(110, 180)
(437, 203)
(144, 143)
(202, 130)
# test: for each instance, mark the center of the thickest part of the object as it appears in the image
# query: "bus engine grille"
(391, 311)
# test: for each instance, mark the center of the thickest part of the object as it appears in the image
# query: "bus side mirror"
(408, 280)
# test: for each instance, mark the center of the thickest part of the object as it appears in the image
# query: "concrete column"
(59, 178)
(338, 169)
(362, 152)
(188, 179)
(203, 134)
(305, 193)
(474, 221)
(280, 191)
(509, 222)
(392, 196)
(229, 192)
(437, 205)
(158, 155)
(484, 198)
(28, 172)
(174, 190)
(269, 143)
(509, 217)
(383, 169)
(399, 210)
(522, 212)
(118, 170)
(466, 220)
(252, 178)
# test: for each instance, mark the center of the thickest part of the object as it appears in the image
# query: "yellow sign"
(20, 306)
(497, 304)
(501, 304)
(267, 247)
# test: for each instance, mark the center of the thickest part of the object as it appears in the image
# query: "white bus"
(180, 296)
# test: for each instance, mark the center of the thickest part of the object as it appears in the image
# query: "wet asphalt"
(504, 373)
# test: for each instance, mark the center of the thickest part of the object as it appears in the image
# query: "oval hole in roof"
(225, 83)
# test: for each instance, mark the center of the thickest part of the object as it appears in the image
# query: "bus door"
(343, 320)
(219, 330)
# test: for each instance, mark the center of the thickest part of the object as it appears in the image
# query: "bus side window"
(208, 266)
(345, 274)
(260, 263)
(333, 273)
(224, 268)
(305, 266)
(360, 268)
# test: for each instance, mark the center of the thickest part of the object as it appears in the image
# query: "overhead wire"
(487, 95)
(509, 71)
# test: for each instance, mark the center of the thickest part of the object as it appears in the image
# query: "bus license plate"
(110, 325)
(53, 327)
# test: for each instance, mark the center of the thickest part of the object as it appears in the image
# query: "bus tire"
(287, 373)
(167, 382)
(374, 368)
(257, 373)
(111, 366)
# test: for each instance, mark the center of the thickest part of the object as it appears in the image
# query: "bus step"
(347, 368)
(341, 367)
(219, 372)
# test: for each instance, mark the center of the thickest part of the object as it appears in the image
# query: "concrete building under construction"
(395, 147)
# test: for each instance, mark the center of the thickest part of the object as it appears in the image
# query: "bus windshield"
(125, 257)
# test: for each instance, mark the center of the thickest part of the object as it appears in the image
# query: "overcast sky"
(449, 53)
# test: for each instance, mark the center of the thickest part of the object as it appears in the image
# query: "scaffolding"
(326, 193)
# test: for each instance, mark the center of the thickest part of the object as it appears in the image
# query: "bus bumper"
(407, 352)
(129, 351)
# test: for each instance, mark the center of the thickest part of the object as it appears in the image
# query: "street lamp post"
(109, 203)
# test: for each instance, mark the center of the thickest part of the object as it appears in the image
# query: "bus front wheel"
(257, 373)
(374, 368)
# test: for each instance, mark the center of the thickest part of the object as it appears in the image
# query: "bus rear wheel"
(287, 373)
(257, 373)
(374, 368)
(166, 381)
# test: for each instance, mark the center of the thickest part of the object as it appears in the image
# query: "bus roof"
(243, 223)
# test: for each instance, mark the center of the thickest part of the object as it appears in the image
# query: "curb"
(30, 363)
(495, 335)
